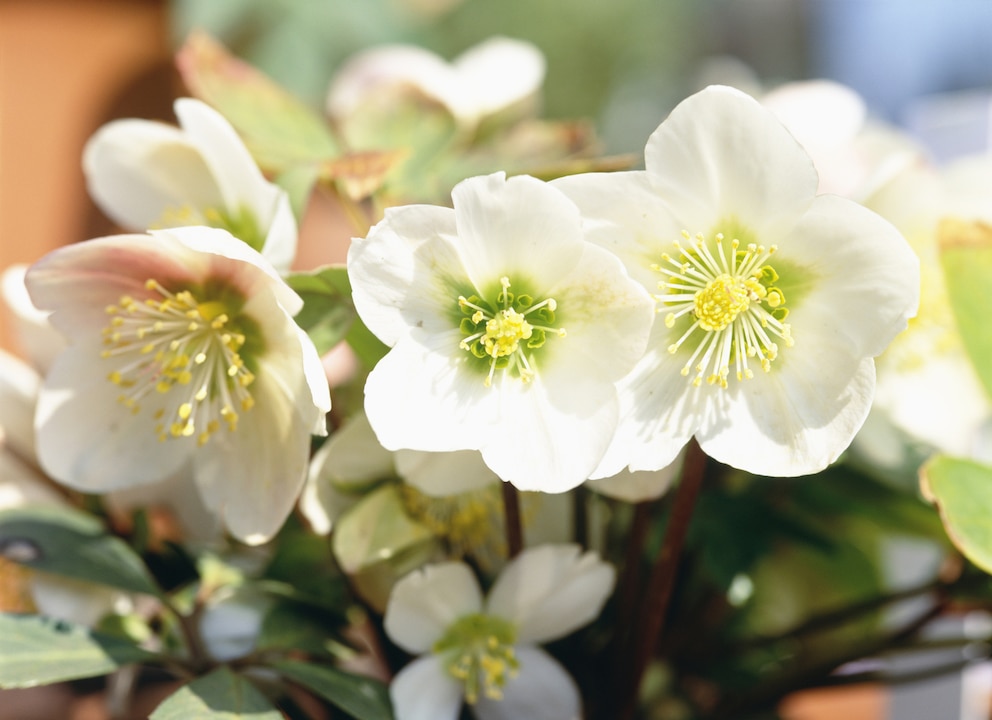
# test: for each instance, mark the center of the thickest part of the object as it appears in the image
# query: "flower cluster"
(525, 362)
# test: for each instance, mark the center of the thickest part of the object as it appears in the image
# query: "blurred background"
(68, 66)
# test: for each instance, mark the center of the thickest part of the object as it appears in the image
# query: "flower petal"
(519, 227)
(550, 591)
(36, 339)
(721, 155)
(797, 419)
(426, 602)
(136, 170)
(638, 486)
(90, 441)
(623, 213)
(442, 474)
(18, 394)
(542, 691)
(404, 273)
(423, 690)
(496, 74)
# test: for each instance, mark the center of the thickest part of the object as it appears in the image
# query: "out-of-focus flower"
(508, 330)
(926, 384)
(493, 77)
(147, 174)
(183, 356)
(231, 623)
(485, 650)
(854, 155)
(774, 300)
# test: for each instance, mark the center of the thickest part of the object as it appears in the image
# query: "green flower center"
(479, 653)
(502, 332)
(728, 308)
(183, 355)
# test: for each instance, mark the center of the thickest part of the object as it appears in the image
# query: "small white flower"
(486, 79)
(145, 174)
(485, 650)
(183, 355)
(508, 330)
(773, 301)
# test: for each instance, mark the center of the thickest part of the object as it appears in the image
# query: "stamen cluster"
(495, 331)
(174, 345)
(730, 296)
(480, 655)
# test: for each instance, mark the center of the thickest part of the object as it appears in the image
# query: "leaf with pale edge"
(72, 544)
(962, 491)
(966, 256)
(36, 650)
(328, 310)
(362, 697)
(221, 695)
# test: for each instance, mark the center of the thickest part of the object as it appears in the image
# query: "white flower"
(183, 352)
(485, 650)
(774, 300)
(508, 330)
(146, 174)
(486, 79)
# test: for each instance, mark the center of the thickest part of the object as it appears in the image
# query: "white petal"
(658, 413)
(623, 213)
(406, 273)
(552, 432)
(867, 278)
(179, 493)
(496, 74)
(796, 419)
(517, 227)
(19, 386)
(251, 272)
(421, 398)
(426, 602)
(254, 475)
(36, 339)
(442, 474)
(354, 456)
(101, 271)
(720, 155)
(542, 691)
(378, 68)
(638, 486)
(137, 169)
(239, 179)
(550, 591)
(423, 690)
(87, 439)
(75, 601)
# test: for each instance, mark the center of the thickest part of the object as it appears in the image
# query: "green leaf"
(328, 311)
(362, 697)
(279, 130)
(221, 695)
(72, 544)
(966, 256)
(962, 491)
(35, 650)
(368, 348)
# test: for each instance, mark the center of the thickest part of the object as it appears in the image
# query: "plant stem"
(511, 514)
(661, 583)
(198, 658)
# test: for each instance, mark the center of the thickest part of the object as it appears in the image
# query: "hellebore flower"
(485, 650)
(772, 301)
(183, 354)
(508, 330)
(145, 174)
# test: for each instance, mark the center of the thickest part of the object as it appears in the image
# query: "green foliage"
(328, 311)
(962, 491)
(361, 697)
(37, 651)
(72, 544)
(221, 695)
